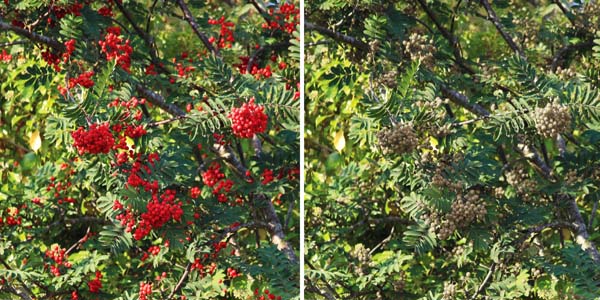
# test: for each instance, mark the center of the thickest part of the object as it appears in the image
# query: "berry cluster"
(267, 295)
(114, 48)
(83, 80)
(518, 177)
(106, 10)
(70, 48)
(285, 18)
(195, 192)
(233, 273)
(215, 179)
(58, 255)
(267, 176)
(465, 210)
(248, 120)
(5, 57)
(61, 185)
(98, 139)
(254, 68)
(399, 139)
(145, 290)
(363, 256)
(449, 291)
(12, 219)
(52, 59)
(95, 284)
(158, 212)
(418, 47)
(552, 119)
(225, 35)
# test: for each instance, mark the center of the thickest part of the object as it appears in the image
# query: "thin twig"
(182, 279)
(485, 282)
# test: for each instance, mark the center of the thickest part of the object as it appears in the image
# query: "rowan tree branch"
(500, 28)
(451, 38)
(340, 37)
(32, 36)
(187, 15)
(561, 56)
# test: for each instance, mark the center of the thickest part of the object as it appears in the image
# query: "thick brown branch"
(187, 15)
(340, 37)
(561, 56)
(500, 28)
(32, 36)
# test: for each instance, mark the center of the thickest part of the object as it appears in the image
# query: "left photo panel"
(149, 149)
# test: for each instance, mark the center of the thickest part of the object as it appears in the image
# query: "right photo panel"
(452, 149)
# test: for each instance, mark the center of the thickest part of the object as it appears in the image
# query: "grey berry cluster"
(466, 209)
(520, 180)
(361, 253)
(418, 47)
(449, 291)
(399, 139)
(552, 119)
(389, 79)
(399, 284)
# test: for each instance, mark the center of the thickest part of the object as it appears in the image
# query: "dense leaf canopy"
(149, 149)
(452, 149)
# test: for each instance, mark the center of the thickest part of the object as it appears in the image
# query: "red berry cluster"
(83, 80)
(233, 273)
(98, 139)
(95, 284)
(183, 71)
(267, 295)
(145, 290)
(74, 295)
(12, 219)
(135, 180)
(106, 10)
(70, 48)
(248, 120)
(51, 59)
(150, 70)
(57, 254)
(254, 69)
(195, 192)
(267, 176)
(5, 57)
(61, 11)
(215, 179)
(158, 212)
(285, 18)
(61, 185)
(114, 48)
(213, 174)
(225, 35)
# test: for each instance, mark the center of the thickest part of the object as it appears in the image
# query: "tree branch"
(561, 56)
(452, 39)
(187, 15)
(340, 37)
(494, 19)
(32, 36)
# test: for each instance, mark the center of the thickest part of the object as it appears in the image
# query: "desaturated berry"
(552, 119)
(399, 139)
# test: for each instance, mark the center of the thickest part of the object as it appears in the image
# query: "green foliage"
(443, 68)
(143, 210)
